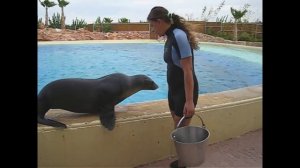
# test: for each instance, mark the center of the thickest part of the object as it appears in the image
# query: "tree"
(237, 14)
(106, 23)
(62, 4)
(124, 20)
(47, 4)
(212, 12)
(107, 20)
(97, 24)
(247, 16)
(189, 17)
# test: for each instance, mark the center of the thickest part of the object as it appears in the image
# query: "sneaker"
(174, 164)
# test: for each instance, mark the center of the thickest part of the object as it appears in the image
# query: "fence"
(252, 28)
(196, 26)
(121, 27)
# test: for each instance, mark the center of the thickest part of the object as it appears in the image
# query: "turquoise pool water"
(218, 68)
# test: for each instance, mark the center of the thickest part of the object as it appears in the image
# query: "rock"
(50, 34)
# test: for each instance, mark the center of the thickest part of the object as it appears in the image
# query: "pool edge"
(143, 138)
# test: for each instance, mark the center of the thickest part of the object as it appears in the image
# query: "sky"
(138, 10)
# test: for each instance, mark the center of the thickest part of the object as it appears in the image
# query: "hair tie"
(170, 15)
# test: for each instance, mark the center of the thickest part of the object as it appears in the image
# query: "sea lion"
(97, 96)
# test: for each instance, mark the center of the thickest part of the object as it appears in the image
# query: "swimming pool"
(218, 67)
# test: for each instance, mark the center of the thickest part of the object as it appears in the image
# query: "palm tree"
(47, 4)
(62, 4)
(124, 20)
(237, 14)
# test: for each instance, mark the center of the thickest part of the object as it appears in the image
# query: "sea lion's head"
(145, 82)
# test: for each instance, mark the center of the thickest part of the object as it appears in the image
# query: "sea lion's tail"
(50, 122)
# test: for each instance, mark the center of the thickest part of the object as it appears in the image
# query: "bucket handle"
(179, 123)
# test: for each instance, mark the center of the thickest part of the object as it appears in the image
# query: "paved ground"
(244, 151)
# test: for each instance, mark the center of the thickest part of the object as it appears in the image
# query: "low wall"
(142, 132)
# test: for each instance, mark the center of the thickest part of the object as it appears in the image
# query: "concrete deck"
(242, 151)
(146, 128)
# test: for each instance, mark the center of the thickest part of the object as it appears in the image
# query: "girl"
(178, 54)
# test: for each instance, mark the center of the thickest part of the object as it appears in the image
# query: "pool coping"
(150, 109)
(133, 41)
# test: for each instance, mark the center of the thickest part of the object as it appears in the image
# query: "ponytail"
(179, 22)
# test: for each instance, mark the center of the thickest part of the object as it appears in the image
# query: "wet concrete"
(239, 152)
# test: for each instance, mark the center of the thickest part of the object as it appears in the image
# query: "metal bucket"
(190, 143)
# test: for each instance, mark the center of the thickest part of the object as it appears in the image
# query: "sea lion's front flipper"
(50, 122)
(108, 117)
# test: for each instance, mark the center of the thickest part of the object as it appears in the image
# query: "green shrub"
(55, 22)
(40, 23)
(244, 36)
(210, 31)
(225, 35)
(76, 24)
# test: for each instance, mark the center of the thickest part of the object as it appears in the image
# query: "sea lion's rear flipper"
(108, 118)
(50, 122)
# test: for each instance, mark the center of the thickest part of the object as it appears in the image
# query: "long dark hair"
(162, 13)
